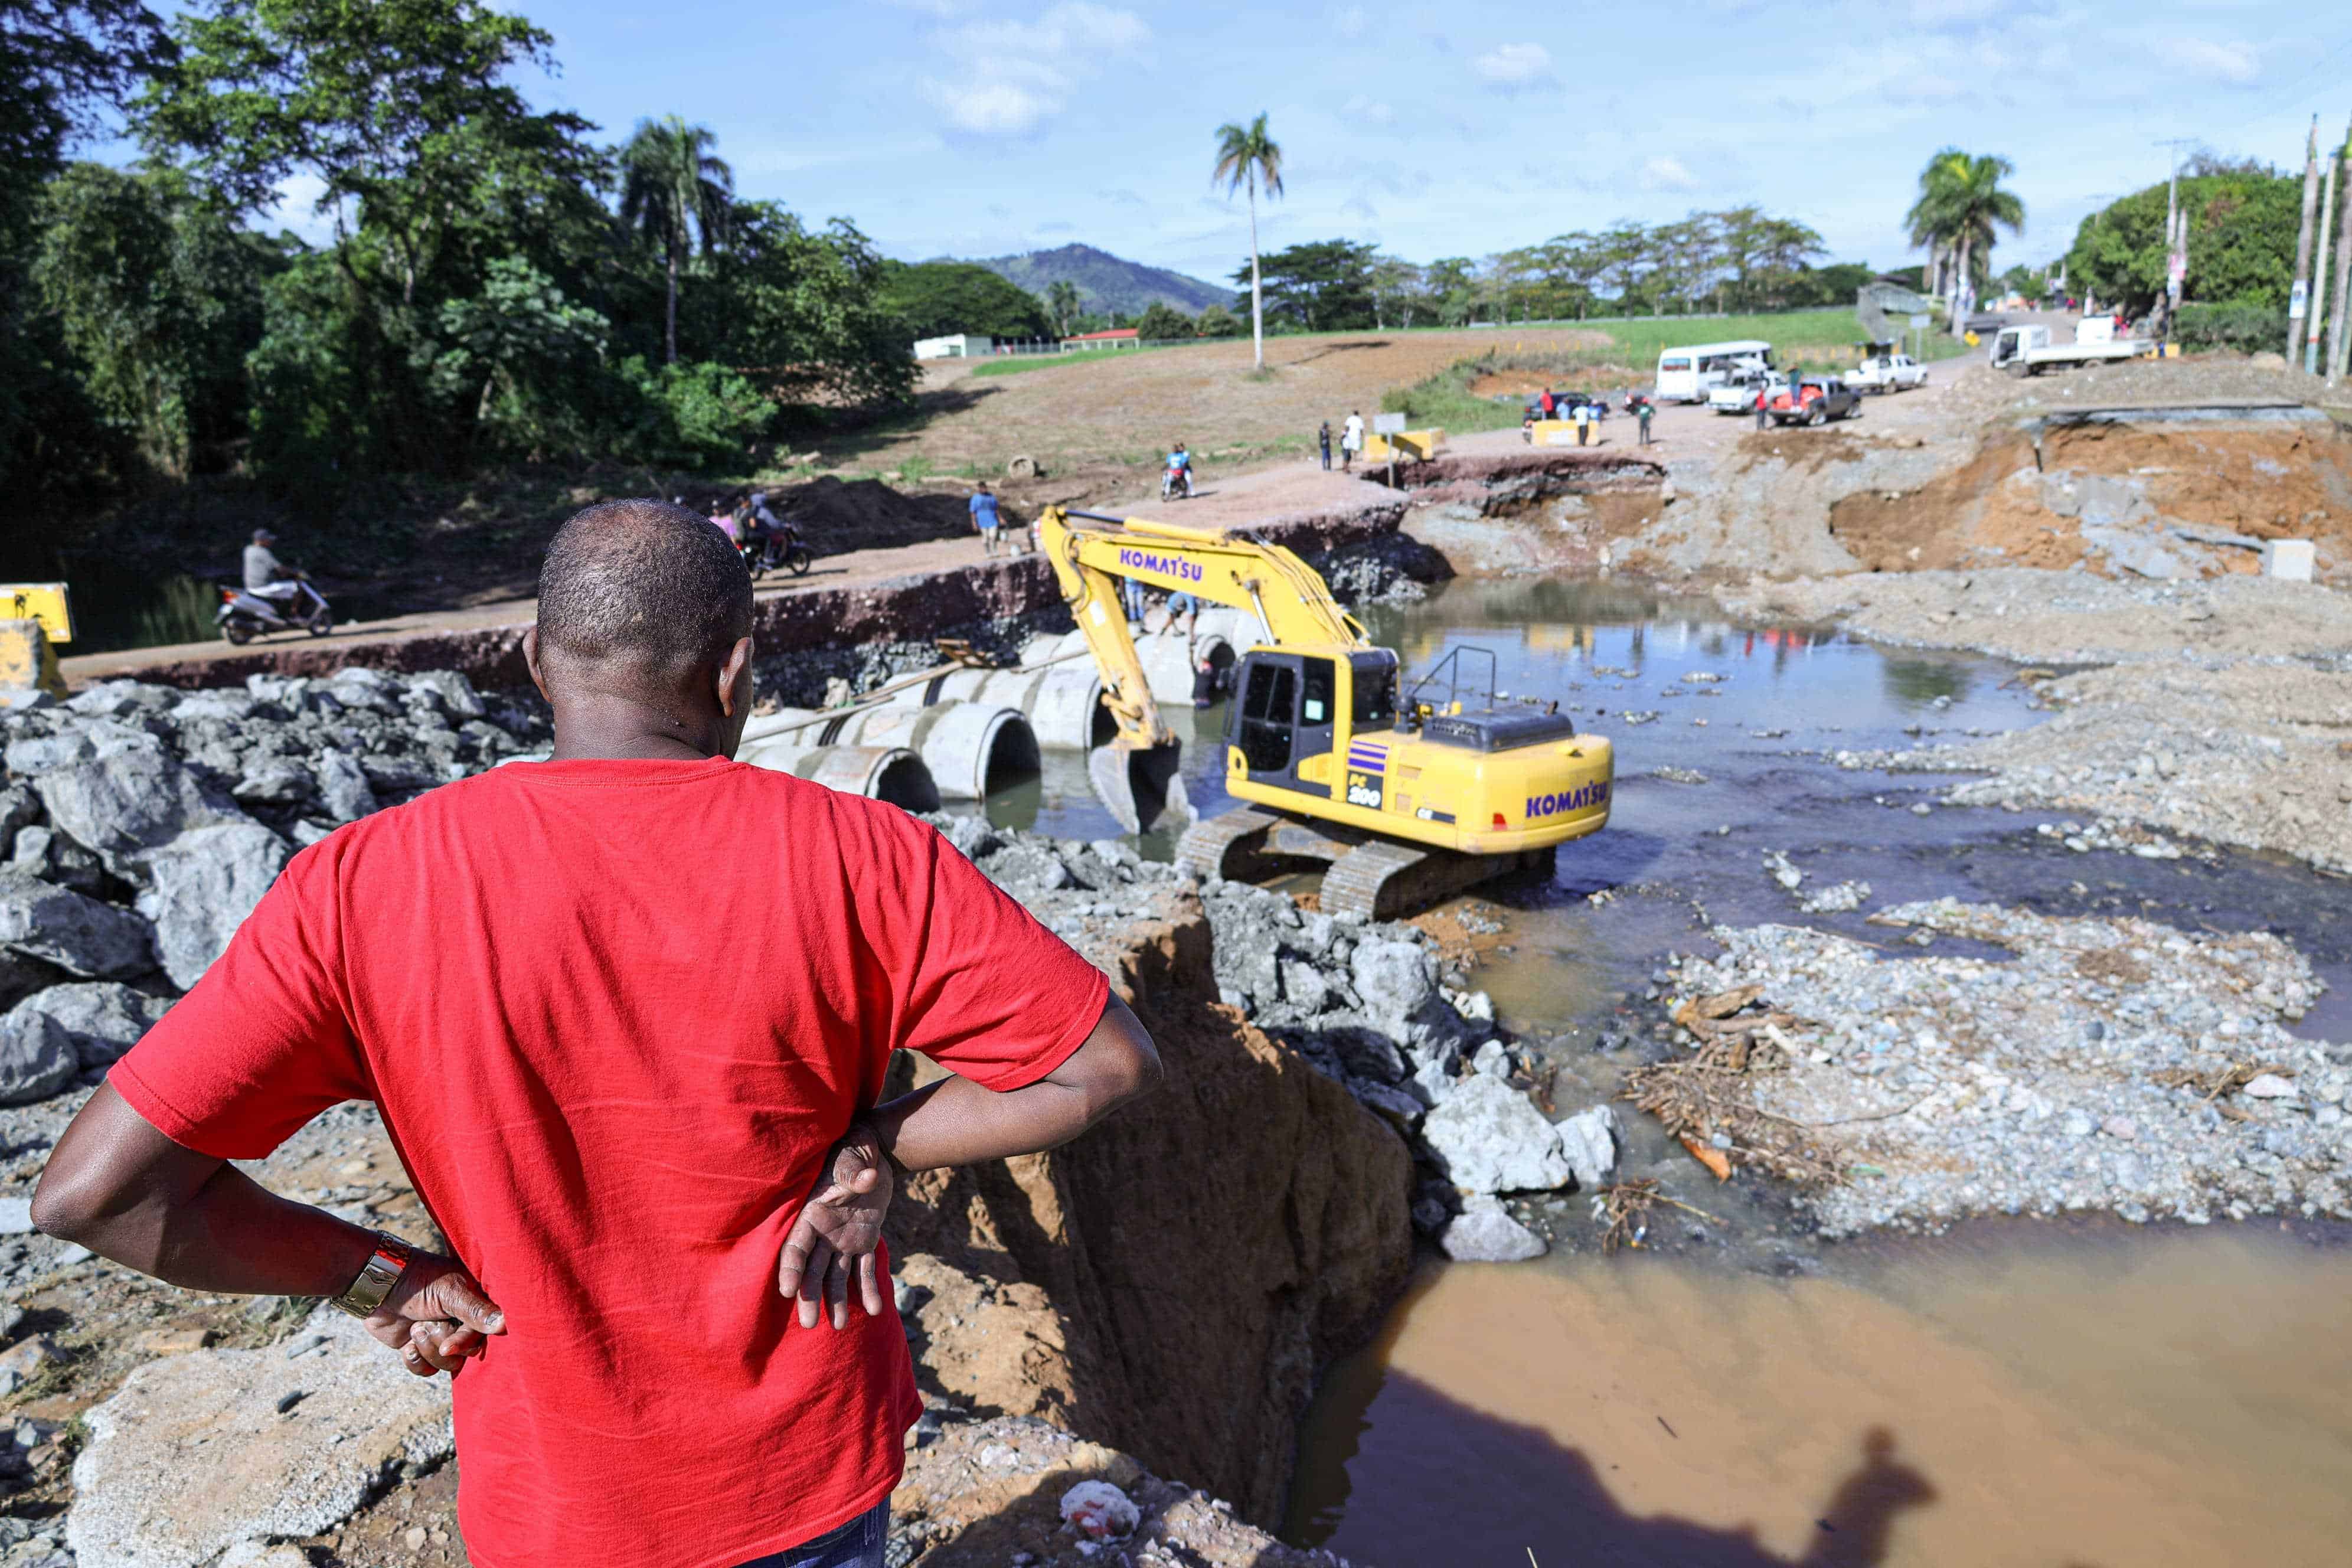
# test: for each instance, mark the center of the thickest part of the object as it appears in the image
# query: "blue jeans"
(858, 1544)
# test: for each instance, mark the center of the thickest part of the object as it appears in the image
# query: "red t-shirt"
(614, 1014)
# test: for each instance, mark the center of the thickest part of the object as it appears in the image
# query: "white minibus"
(1686, 375)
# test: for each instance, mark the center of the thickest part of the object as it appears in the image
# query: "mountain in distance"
(1105, 282)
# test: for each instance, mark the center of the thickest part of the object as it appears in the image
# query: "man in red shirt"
(649, 1150)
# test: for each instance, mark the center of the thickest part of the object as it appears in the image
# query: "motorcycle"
(1175, 483)
(780, 548)
(245, 615)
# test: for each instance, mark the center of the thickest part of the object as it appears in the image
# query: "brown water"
(2017, 1394)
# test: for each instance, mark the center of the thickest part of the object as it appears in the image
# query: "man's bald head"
(645, 585)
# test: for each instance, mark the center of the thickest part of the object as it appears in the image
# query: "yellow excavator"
(1407, 797)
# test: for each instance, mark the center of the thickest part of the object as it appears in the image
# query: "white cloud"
(1358, 208)
(1006, 77)
(297, 208)
(1667, 173)
(1365, 110)
(1514, 65)
(2232, 62)
(1350, 22)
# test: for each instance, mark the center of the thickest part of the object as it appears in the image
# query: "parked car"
(1739, 397)
(1887, 373)
(1813, 400)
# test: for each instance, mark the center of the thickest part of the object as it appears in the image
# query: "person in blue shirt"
(985, 518)
(1180, 463)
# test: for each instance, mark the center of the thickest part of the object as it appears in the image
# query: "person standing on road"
(985, 517)
(648, 1158)
(1323, 438)
(1351, 440)
(1641, 413)
(1547, 405)
(1763, 399)
(1584, 413)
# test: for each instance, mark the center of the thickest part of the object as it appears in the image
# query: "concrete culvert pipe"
(891, 773)
(969, 747)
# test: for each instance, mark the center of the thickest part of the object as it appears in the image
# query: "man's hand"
(837, 1232)
(437, 1316)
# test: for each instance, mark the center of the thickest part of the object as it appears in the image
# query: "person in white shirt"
(1351, 440)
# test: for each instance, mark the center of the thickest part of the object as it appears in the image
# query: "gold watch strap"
(381, 1272)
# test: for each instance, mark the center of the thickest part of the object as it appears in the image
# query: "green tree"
(1961, 202)
(2243, 221)
(1323, 286)
(802, 311)
(160, 298)
(938, 299)
(676, 193)
(523, 350)
(1062, 304)
(1159, 323)
(1247, 158)
(62, 63)
(397, 108)
(1216, 322)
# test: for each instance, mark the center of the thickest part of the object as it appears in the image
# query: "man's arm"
(119, 1187)
(952, 1121)
(955, 1121)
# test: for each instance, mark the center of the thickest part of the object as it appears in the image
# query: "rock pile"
(1364, 1003)
(2111, 1064)
(140, 824)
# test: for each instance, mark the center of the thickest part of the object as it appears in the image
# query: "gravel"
(2088, 1071)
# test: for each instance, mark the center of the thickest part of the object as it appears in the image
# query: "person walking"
(1351, 440)
(1323, 439)
(660, 1168)
(1641, 413)
(985, 517)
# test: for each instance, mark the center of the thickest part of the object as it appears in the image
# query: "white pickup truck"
(1887, 373)
(1737, 395)
(2028, 351)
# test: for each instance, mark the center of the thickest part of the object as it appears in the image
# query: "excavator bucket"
(1140, 785)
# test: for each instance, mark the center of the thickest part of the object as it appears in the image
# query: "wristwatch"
(384, 1269)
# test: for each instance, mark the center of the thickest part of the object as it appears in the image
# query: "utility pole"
(2319, 268)
(2298, 301)
(2175, 238)
(2341, 340)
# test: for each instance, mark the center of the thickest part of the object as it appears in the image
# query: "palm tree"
(1960, 204)
(1062, 301)
(1246, 156)
(675, 193)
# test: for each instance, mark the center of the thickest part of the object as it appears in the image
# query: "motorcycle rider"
(1180, 470)
(266, 576)
(761, 528)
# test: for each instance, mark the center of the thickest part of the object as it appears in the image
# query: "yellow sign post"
(42, 601)
(33, 615)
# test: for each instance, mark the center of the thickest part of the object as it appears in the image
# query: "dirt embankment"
(2170, 470)
(2152, 497)
(1169, 1284)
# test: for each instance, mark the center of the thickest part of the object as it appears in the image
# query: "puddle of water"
(2180, 1397)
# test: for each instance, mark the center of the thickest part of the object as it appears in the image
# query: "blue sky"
(982, 128)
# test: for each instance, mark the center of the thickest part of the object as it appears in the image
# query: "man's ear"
(531, 662)
(735, 680)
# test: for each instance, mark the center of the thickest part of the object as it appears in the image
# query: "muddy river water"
(1738, 1395)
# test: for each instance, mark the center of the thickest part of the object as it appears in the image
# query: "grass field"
(1016, 364)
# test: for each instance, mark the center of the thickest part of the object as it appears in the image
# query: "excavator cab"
(1291, 711)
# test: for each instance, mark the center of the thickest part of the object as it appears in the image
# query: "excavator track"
(1232, 840)
(1373, 878)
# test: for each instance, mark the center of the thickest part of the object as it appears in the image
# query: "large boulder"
(78, 934)
(124, 798)
(343, 789)
(1483, 1233)
(1588, 1141)
(1394, 979)
(102, 1019)
(37, 1058)
(1489, 1138)
(202, 885)
(201, 1453)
